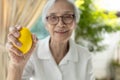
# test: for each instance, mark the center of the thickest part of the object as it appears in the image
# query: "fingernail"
(16, 34)
(19, 27)
(20, 54)
(19, 44)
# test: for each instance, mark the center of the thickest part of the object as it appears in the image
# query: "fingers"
(17, 27)
(15, 31)
(11, 48)
(14, 34)
(14, 58)
(35, 39)
(14, 40)
(34, 42)
(15, 54)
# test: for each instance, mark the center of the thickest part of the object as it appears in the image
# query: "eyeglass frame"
(62, 18)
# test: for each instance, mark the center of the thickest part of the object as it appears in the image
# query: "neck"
(58, 49)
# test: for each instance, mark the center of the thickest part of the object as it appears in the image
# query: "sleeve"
(28, 71)
(90, 73)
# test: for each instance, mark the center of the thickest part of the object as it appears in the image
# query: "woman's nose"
(61, 22)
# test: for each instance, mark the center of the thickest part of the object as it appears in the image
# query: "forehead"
(61, 7)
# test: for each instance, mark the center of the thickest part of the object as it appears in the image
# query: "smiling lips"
(61, 31)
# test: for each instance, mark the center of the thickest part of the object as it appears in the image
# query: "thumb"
(34, 43)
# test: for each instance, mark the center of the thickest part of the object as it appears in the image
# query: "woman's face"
(61, 20)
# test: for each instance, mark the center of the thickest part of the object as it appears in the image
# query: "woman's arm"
(18, 60)
(14, 72)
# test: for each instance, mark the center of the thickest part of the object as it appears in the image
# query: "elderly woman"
(56, 57)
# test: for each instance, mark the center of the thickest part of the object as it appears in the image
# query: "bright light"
(110, 5)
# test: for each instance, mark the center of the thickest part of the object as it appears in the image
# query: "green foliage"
(93, 24)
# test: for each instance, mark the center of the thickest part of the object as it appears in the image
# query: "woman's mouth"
(62, 31)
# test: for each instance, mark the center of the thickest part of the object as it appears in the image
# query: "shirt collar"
(72, 54)
(43, 49)
(45, 53)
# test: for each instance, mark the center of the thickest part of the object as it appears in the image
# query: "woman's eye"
(67, 16)
(53, 17)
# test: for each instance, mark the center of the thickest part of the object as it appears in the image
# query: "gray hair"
(49, 5)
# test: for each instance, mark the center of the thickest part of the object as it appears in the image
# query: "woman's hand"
(17, 58)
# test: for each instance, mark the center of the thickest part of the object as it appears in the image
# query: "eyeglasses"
(67, 18)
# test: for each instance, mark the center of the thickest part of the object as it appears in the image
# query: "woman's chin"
(61, 39)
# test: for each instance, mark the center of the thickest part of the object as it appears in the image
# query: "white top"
(76, 65)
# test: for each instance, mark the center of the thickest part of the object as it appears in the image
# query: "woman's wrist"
(16, 64)
(14, 72)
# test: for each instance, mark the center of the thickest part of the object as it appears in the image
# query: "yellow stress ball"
(26, 40)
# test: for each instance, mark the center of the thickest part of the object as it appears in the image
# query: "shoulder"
(83, 52)
(43, 41)
(80, 49)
